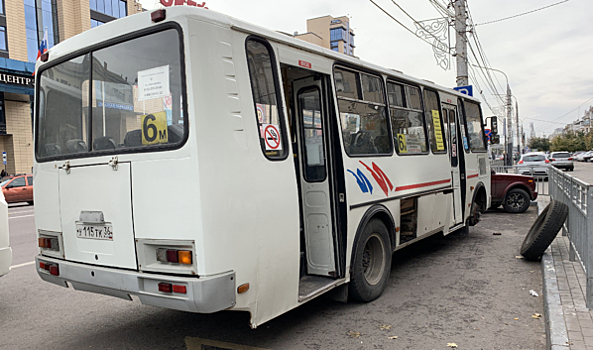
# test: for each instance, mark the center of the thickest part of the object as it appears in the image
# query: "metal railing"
(578, 195)
(541, 183)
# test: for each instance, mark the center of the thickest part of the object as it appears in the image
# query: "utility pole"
(461, 42)
(509, 147)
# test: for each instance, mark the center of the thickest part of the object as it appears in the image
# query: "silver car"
(561, 160)
(534, 164)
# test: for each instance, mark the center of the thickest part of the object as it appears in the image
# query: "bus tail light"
(172, 288)
(53, 269)
(174, 256)
(158, 15)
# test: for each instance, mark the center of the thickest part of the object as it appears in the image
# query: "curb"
(556, 332)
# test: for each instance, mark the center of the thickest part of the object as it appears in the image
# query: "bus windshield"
(135, 102)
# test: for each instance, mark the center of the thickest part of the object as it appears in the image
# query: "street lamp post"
(509, 150)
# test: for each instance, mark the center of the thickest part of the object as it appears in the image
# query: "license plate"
(104, 231)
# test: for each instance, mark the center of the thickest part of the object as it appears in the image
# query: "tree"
(539, 143)
(570, 142)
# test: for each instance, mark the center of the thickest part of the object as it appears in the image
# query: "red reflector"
(41, 242)
(172, 256)
(179, 289)
(158, 15)
(54, 270)
(42, 265)
(164, 287)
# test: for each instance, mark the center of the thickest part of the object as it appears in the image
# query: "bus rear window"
(133, 103)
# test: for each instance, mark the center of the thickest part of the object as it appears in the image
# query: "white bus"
(202, 163)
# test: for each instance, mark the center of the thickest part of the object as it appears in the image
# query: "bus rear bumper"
(203, 295)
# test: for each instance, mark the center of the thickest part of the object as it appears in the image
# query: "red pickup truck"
(513, 192)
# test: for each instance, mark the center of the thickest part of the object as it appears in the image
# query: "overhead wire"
(522, 14)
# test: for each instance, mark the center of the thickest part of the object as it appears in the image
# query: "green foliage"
(572, 142)
(542, 144)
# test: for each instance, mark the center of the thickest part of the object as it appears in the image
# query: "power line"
(565, 114)
(420, 25)
(522, 14)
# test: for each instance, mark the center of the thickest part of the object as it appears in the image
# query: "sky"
(547, 55)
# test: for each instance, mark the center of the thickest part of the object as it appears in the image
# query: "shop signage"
(17, 80)
(168, 3)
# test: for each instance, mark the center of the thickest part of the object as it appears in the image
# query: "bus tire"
(516, 201)
(544, 229)
(371, 265)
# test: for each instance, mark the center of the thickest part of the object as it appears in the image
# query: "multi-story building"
(23, 24)
(331, 33)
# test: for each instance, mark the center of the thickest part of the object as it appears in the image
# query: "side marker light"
(158, 15)
(243, 288)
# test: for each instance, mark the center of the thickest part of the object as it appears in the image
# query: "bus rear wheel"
(371, 265)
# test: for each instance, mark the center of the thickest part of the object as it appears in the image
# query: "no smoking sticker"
(272, 137)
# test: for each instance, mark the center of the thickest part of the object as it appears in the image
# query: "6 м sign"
(154, 128)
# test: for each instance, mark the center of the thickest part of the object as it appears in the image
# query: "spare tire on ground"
(544, 230)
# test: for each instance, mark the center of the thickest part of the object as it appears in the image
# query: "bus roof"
(114, 29)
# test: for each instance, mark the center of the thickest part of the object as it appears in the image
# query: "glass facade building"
(40, 15)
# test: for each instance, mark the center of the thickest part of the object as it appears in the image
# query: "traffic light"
(494, 125)
(494, 139)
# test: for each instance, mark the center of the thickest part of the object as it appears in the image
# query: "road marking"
(198, 344)
(24, 264)
(22, 216)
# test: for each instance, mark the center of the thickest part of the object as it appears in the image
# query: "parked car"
(5, 250)
(18, 188)
(561, 160)
(587, 156)
(513, 192)
(534, 163)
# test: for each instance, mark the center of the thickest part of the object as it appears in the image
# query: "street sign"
(488, 133)
(4, 158)
(468, 90)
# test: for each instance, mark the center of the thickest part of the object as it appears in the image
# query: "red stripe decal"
(472, 176)
(409, 187)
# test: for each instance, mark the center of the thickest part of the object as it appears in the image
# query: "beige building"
(23, 24)
(329, 32)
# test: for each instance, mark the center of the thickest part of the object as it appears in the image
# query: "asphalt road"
(467, 289)
(583, 171)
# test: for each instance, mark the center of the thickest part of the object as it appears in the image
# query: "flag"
(43, 46)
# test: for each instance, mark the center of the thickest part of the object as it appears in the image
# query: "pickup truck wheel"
(371, 265)
(516, 201)
(544, 229)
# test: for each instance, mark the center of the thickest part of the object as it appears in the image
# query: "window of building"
(264, 85)
(2, 115)
(474, 127)
(435, 122)
(3, 43)
(40, 14)
(362, 113)
(2, 7)
(407, 119)
(95, 23)
(113, 8)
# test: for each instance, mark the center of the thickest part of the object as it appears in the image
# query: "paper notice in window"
(438, 132)
(153, 83)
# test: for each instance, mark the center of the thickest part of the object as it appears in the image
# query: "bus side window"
(362, 113)
(462, 125)
(435, 124)
(265, 97)
(474, 127)
(407, 119)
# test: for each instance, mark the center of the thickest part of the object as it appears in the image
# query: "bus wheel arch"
(478, 205)
(372, 250)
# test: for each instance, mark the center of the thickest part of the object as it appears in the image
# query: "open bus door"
(456, 155)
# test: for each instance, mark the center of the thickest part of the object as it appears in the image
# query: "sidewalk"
(569, 324)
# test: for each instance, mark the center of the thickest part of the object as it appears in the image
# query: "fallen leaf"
(482, 317)
(536, 315)
(452, 345)
(394, 337)
(353, 334)
(518, 257)
(385, 326)
(516, 318)
(506, 323)
(531, 271)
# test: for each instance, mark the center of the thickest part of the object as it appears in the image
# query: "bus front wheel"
(371, 265)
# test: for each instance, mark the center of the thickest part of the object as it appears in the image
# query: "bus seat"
(104, 143)
(133, 138)
(75, 146)
(362, 143)
(51, 149)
